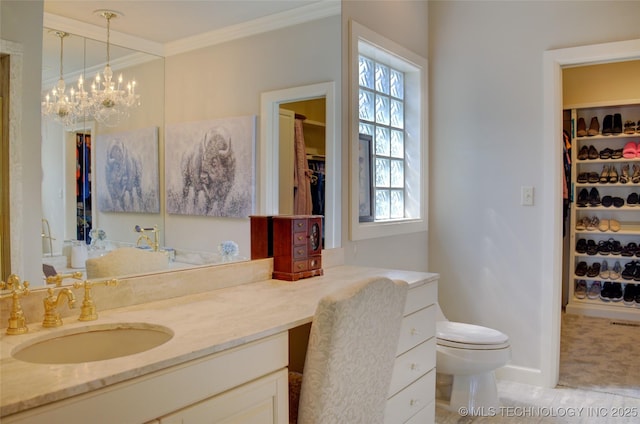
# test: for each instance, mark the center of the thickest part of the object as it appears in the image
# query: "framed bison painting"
(209, 167)
(127, 175)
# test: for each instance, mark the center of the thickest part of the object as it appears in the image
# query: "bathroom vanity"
(227, 359)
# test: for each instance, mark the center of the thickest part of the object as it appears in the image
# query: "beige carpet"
(600, 354)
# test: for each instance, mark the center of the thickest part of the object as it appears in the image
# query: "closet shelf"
(314, 123)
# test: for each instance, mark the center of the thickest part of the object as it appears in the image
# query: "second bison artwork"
(209, 167)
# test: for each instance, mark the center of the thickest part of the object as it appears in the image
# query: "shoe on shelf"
(594, 127)
(604, 175)
(593, 223)
(583, 177)
(624, 174)
(583, 197)
(581, 269)
(617, 124)
(580, 290)
(629, 270)
(629, 250)
(617, 154)
(604, 225)
(593, 270)
(606, 292)
(607, 201)
(616, 292)
(632, 199)
(593, 177)
(616, 246)
(607, 125)
(593, 153)
(614, 225)
(636, 174)
(592, 248)
(604, 247)
(581, 246)
(594, 290)
(583, 153)
(606, 153)
(604, 271)
(629, 151)
(614, 274)
(594, 197)
(629, 127)
(629, 296)
(582, 127)
(613, 175)
(581, 223)
(618, 202)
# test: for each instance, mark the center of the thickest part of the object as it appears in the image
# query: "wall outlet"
(526, 196)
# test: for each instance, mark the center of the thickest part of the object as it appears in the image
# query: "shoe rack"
(605, 215)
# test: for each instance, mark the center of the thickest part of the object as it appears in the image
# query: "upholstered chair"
(350, 355)
(126, 261)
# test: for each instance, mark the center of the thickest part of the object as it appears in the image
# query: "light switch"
(526, 196)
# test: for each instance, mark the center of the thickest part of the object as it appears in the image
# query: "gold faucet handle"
(58, 278)
(17, 321)
(88, 311)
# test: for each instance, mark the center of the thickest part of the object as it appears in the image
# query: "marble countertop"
(203, 324)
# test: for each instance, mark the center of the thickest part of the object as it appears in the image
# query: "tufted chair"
(125, 261)
(350, 355)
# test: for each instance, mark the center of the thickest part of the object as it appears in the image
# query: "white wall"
(404, 22)
(486, 142)
(226, 80)
(21, 22)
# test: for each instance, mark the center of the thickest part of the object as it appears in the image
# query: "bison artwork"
(209, 168)
(127, 166)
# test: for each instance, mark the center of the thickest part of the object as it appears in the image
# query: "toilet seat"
(468, 336)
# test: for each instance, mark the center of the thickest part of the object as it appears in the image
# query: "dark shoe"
(605, 293)
(594, 197)
(583, 198)
(607, 201)
(604, 248)
(583, 154)
(635, 178)
(581, 269)
(593, 177)
(629, 127)
(593, 153)
(592, 248)
(616, 292)
(606, 153)
(632, 199)
(618, 202)
(607, 125)
(594, 127)
(629, 295)
(583, 177)
(617, 124)
(582, 128)
(629, 250)
(616, 247)
(629, 270)
(616, 154)
(593, 270)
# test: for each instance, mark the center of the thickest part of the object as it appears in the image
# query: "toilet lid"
(469, 334)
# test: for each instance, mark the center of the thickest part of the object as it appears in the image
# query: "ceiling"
(159, 27)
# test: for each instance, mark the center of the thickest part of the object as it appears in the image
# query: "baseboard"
(525, 375)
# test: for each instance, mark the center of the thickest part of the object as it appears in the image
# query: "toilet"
(466, 357)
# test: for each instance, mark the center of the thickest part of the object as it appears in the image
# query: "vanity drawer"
(408, 402)
(300, 251)
(421, 297)
(412, 365)
(416, 328)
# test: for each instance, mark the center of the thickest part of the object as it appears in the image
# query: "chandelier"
(58, 105)
(109, 101)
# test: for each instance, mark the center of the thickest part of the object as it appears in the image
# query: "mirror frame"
(268, 153)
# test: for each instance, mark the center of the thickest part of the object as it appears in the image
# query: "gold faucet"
(51, 302)
(17, 321)
(88, 311)
(58, 278)
(143, 237)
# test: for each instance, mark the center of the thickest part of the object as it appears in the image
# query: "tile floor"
(599, 380)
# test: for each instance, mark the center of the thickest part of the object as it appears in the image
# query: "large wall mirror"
(169, 96)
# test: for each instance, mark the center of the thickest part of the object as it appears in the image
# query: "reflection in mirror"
(74, 226)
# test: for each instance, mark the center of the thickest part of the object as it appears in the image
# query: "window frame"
(367, 42)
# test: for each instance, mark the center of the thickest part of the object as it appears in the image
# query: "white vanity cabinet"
(412, 388)
(246, 384)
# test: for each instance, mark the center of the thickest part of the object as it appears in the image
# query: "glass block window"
(381, 115)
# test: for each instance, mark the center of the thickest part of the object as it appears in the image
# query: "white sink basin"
(93, 343)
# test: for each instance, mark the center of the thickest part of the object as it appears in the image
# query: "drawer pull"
(414, 402)
(415, 367)
(300, 251)
(300, 224)
(414, 332)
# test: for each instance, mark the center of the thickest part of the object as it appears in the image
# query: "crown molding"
(318, 10)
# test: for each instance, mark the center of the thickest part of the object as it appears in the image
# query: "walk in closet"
(604, 224)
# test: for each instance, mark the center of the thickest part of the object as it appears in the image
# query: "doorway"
(554, 61)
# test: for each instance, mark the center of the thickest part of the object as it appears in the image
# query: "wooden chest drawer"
(416, 328)
(412, 365)
(411, 400)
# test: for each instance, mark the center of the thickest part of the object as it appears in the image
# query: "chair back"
(351, 352)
